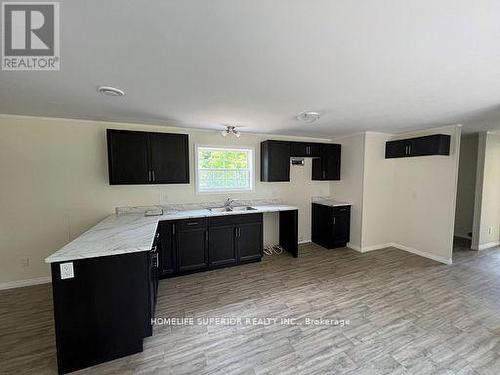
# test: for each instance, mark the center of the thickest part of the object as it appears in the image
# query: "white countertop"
(129, 233)
(327, 201)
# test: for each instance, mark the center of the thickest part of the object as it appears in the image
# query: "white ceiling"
(381, 65)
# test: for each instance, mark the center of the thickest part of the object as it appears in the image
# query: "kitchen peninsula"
(115, 267)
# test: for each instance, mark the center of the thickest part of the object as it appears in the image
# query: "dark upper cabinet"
(169, 158)
(249, 241)
(437, 144)
(147, 158)
(222, 245)
(128, 157)
(330, 226)
(302, 149)
(275, 161)
(191, 238)
(327, 167)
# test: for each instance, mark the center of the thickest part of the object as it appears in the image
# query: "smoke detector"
(230, 129)
(110, 91)
(308, 116)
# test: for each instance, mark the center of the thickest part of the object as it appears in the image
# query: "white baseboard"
(304, 241)
(488, 245)
(376, 247)
(424, 254)
(354, 247)
(21, 283)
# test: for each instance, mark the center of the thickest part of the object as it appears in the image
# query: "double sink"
(231, 209)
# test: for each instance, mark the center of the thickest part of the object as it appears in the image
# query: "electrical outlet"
(25, 261)
(67, 271)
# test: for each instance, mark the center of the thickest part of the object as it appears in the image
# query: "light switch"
(67, 270)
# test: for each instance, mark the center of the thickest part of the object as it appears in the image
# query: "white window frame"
(251, 152)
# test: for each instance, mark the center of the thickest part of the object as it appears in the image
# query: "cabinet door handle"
(409, 149)
(206, 235)
(334, 220)
(308, 150)
(173, 229)
(153, 174)
(149, 175)
(157, 235)
(192, 223)
(324, 174)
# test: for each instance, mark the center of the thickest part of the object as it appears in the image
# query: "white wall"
(350, 187)
(424, 200)
(466, 185)
(487, 198)
(378, 190)
(54, 186)
(408, 203)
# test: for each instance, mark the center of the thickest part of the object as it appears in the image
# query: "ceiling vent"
(110, 91)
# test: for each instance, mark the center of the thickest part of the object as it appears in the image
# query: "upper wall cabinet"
(327, 167)
(275, 161)
(437, 144)
(302, 149)
(147, 158)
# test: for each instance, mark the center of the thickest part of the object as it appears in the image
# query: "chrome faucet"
(229, 202)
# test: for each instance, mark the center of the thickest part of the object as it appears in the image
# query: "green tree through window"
(221, 169)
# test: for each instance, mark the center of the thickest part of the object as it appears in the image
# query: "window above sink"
(224, 169)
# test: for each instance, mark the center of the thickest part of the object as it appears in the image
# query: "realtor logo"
(30, 36)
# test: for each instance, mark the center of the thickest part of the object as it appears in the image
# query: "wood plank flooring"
(408, 315)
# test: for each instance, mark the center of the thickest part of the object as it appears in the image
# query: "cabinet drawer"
(234, 219)
(342, 209)
(188, 224)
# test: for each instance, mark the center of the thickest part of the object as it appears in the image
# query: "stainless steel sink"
(231, 209)
(244, 208)
(220, 209)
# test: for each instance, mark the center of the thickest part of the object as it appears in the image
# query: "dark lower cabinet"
(104, 311)
(191, 239)
(222, 245)
(167, 253)
(249, 241)
(199, 244)
(436, 144)
(330, 226)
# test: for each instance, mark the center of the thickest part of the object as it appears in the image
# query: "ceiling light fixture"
(308, 116)
(110, 91)
(230, 129)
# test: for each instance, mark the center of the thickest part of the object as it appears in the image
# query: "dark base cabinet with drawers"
(193, 245)
(330, 226)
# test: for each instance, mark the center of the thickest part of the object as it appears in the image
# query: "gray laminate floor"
(408, 315)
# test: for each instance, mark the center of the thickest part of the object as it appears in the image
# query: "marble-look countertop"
(134, 232)
(327, 201)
